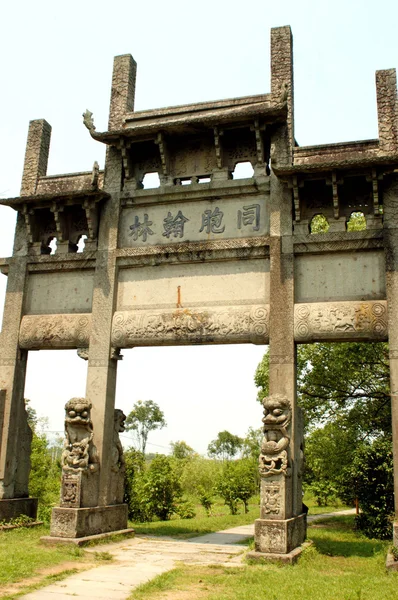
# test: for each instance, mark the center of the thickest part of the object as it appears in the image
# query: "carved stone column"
(282, 525)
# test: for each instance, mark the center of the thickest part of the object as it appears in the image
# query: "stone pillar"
(123, 90)
(386, 90)
(36, 155)
(15, 435)
(98, 513)
(282, 88)
(391, 249)
(282, 526)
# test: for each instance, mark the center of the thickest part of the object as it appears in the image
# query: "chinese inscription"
(249, 215)
(211, 221)
(139, 229)
(173, 224)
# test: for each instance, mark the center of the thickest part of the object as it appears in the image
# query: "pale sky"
(57, 61)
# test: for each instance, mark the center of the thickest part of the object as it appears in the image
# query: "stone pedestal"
(83, 522)
(279, 536)
(12, 508)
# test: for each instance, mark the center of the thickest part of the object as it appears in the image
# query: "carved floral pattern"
(351, 320)
(183, 325)
(55, 331)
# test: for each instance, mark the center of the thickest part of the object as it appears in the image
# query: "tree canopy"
(225, 446)
(146, 416)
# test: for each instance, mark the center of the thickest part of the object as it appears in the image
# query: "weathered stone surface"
(279, 536)
(318, 321)
(39, 332)
(12, 508)
(81, 522)
(80, 463)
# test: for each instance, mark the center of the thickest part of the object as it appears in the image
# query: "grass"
(22, 555)
(201, 524)
(314, 509)
(341, 565)
(221, 519)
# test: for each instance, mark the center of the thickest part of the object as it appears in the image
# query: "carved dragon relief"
(274, 458)
(340, 320)
(132, 328)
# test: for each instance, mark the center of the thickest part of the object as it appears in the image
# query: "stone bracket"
(164, 155)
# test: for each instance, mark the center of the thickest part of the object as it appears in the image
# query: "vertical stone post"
(391, 249)
(123, 90)
(16, 435)
(386, 90)
(282, 87)
(282, 526)
(36, 155)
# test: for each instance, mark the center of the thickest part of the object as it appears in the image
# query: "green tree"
(225, 446)
(236, 482)
(146, 416)
(162, 490)
(373, 481)
(181, 450)
(45, 473)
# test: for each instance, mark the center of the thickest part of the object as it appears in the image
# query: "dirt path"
(140, 559)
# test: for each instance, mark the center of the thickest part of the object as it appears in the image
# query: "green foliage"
(236, 482)
(162, 489)
(207, 501)
(252, 443)
(345, 382)
(181, 450)
(356, 222)
(185, 509)
(329, 452)
(225, 446)
(261, 378)
(319, 224)
(199, 475)
(146, 416)
(45, 474)
(372, 476)
(134, 486)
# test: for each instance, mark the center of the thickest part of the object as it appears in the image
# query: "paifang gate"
(201, 259)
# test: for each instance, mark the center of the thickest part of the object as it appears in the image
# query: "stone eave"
(365, 162)
(44, 199)
(147, 124)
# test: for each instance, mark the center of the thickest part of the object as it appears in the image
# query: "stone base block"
(82, 541)
(265, 557)
(391, 563)
(279, 537)
(83, 522)
(395, 534)
(11, 508)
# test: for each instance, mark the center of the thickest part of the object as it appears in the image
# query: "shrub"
(185, 509)
(237, 482)
(162, 489)
(372, 476)
(134, 486)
